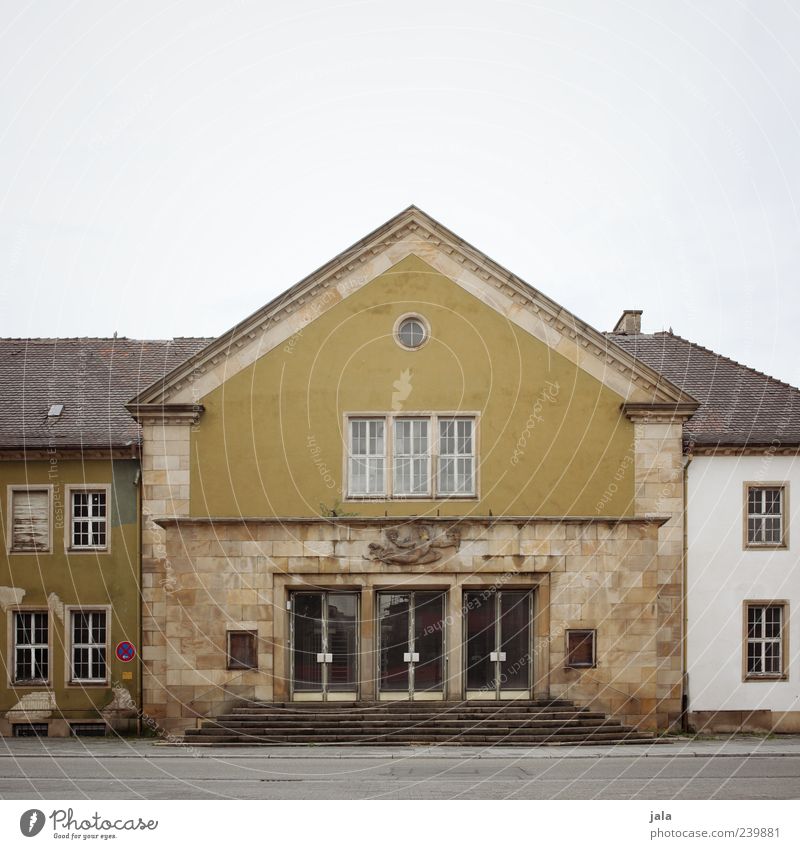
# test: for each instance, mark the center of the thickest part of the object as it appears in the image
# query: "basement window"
(88, 729)
(242, 650)
(581, 649)
(30, 729)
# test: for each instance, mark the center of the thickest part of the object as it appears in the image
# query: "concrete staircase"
(517, 723)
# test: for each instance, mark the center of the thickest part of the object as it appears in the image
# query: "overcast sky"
(168, 167)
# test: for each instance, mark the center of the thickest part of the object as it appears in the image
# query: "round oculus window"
(411, 332)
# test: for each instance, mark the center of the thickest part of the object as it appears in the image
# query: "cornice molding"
(647, 519)
(417, 229)
(742, 450)
(185, 414)
(659, 413)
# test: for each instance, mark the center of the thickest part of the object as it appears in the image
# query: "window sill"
(380, 499)
(580, 666)
(29, 684)
(87, 550)
(776, 677)
(84, 684)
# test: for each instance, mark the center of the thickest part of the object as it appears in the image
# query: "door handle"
(493, 656)
(407, 657)
(501, 655)
(415, 657)
(324, 657)
(320, 657)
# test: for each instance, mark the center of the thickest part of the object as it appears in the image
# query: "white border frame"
(69, 609)
(69, 489)
(27, 487)
(12, 645)
(388, 417)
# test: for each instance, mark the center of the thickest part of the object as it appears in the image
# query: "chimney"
(630, 323)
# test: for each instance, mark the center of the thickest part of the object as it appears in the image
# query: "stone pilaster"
(658, 451)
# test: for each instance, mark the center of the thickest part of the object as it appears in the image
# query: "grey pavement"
(723, 768)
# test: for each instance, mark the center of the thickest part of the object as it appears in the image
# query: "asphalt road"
(114, 771)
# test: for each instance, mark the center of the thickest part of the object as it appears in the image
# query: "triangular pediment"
(412, 232)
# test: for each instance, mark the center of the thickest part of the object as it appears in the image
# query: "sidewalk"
(680, 747)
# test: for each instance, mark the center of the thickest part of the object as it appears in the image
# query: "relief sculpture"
(417, 547)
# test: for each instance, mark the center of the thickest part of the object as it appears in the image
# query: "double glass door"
(498, 644)
(324, 646)
(411, 645)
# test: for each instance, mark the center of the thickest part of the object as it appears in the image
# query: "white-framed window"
(766, 512)
(29, 523)
(411, 455)
(89, 646)
(88, 510)
(765, 636)
(367, 474)
(31, 646)
(456, 456)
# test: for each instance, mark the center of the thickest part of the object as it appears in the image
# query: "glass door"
(498, 644)
(411, 645)
(324, 646)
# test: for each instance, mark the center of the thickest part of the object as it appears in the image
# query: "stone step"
(461, 716)
(440, 723)
(539, 722)
(418, 739)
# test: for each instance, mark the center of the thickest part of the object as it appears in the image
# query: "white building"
(742, 570)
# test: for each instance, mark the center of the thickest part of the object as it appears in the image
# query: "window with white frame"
(765, 635)
(30, 519)
(411, 456)
(367, 457)
(31, 647)
(765, 515)
(456, 457)
(89, 630)
(89, 516)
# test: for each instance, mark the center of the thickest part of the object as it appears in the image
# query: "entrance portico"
(489, 620)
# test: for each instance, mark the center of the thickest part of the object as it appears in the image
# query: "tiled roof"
(92, 378)
(738, 405)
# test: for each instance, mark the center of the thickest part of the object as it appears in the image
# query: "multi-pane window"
(89, 645)
(89, 519)
(456, 457)
(411, 456)
(31, 646)
(30, 520)
(367, 457)
(765, 639)
(765, 515)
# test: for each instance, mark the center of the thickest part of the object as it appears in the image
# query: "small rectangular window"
(89, 519)
(581, 648)
(766, 516)
(456, 457)
(30, 520)
(31, 647)
(764, 640)
(367, 457)
(242, 652)
(89, 634)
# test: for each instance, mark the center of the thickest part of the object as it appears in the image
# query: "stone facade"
(224, 575)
